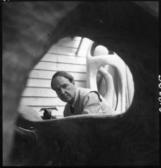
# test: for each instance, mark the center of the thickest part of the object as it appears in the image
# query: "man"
(79, 100)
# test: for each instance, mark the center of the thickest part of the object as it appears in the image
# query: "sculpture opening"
(122, 27)
(92, 66)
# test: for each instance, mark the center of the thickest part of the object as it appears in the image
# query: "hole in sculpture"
(98, 70)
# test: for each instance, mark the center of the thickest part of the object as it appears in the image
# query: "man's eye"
(65, 86)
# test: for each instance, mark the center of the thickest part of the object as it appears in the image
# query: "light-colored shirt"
(87, 101)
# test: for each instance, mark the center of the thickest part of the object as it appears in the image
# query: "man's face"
(64, 88)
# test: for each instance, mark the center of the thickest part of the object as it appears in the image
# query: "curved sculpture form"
(106, 85)
(118, 86)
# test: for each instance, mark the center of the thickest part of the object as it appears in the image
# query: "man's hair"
(64, 74)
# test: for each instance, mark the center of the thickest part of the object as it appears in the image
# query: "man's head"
(63, 83)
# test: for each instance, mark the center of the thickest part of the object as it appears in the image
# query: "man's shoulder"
(86, 91)
(83, 91)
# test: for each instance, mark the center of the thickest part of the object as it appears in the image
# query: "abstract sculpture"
(109, 74)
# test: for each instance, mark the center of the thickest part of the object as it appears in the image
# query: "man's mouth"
(65, 96)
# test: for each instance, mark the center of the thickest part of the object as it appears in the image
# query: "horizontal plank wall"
(61, 56)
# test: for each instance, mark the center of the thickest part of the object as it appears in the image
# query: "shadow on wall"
(129, 139)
